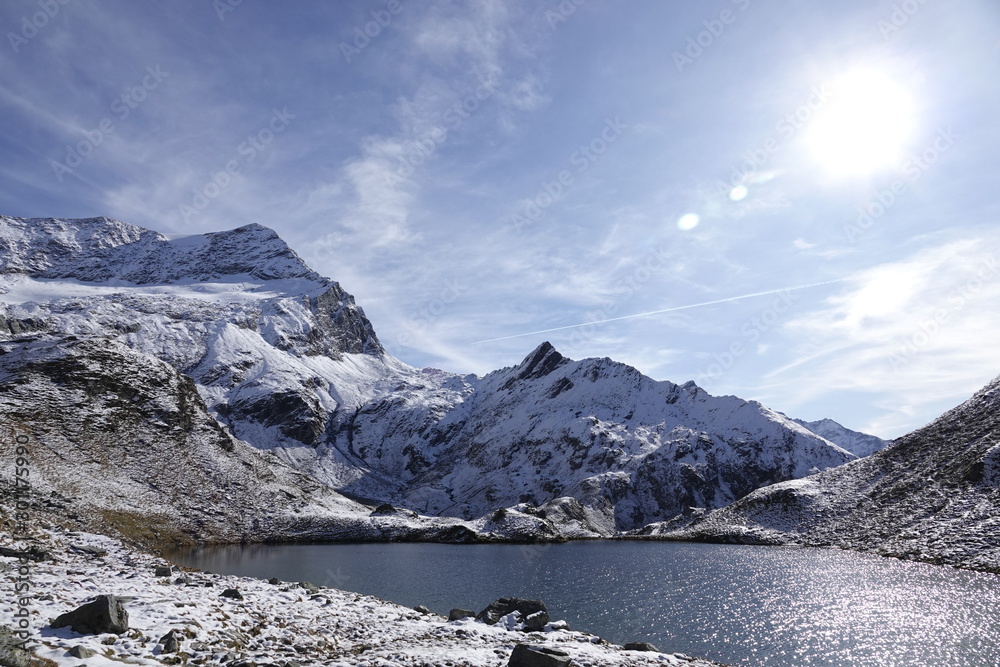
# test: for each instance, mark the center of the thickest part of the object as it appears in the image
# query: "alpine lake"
(740, 605)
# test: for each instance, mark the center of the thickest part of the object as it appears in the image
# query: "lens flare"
(688, 221)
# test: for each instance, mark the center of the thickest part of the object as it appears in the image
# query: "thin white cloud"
(911, 329)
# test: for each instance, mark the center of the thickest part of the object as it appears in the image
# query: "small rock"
(181, 581)
(274, 581)
(312, 588)
(162, 571)
(640, 646)
(422, 609)
(233, 593)
(105, 614)
(526, 655)
(458, 614)
(82, 652)
(90, 551)
(171, 642)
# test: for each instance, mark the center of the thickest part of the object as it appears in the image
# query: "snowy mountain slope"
(857, 443)
(96, 250)
(932, 495)
(285, 361)
(633, 450)
(119, 440)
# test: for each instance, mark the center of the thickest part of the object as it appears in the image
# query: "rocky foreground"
(161, 614)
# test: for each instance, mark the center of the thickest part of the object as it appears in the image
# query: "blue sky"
(483, 175)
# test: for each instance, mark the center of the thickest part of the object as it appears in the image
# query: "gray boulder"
(162, 571)
(458, 614)
(232, 593)
(526, 655)
(640, 646)
(312, 588)
(536, 622)
(422, 609)
(11, 653)
(500, 608)
(105, 614)
(82, 652)
(171, 642)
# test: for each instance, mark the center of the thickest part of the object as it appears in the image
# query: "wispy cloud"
(913, 329)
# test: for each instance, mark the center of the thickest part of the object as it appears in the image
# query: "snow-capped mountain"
(932, 495)
(857, 443)
(631, 449)
(282, 359)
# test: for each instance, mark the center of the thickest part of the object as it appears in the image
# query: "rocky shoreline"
(178, 616)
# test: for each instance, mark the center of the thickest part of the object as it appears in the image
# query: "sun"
(864, 126)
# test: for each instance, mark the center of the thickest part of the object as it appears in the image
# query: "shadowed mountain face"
(282, 359)
(932, 495)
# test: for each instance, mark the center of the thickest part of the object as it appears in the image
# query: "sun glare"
(863, 127)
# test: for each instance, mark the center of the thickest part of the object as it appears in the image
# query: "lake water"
(734, 604)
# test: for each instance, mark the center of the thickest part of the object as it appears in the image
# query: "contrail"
(658, 312)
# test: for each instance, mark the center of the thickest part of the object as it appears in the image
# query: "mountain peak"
(542, 361)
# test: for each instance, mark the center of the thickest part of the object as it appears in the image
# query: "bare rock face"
(105, 614)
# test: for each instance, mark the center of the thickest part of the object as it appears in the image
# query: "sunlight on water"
(741, 605)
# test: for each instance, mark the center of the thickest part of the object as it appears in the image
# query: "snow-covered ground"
(274, 624)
